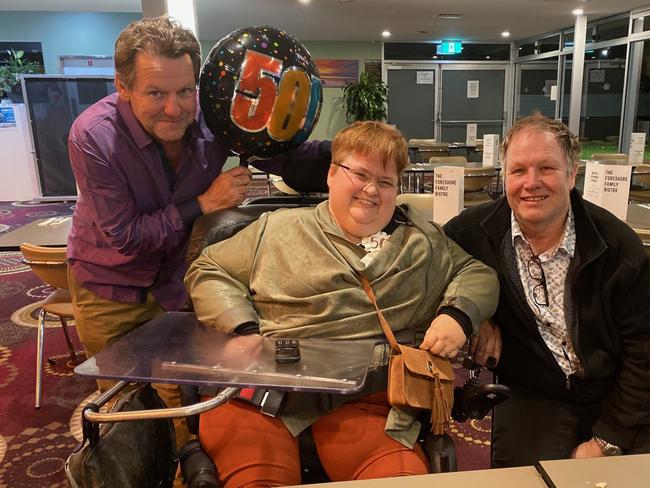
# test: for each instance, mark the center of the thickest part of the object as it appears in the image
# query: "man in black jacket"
(573, 321)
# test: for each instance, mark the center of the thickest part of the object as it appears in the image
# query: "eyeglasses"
(536, 272)
(363, 179)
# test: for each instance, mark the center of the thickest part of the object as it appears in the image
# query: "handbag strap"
(388, 332)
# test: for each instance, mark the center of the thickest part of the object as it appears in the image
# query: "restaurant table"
(632, 471)
(414, 175)
(638, 216)
(524, 477)
(52, 231)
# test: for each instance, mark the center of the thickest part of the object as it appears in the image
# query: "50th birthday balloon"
(260, 91)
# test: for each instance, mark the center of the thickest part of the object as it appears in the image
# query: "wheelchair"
(471, 401)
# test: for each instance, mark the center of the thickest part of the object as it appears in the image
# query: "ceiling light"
(385, 33)
(505, 34)
(304, 1)
(450, 16)
(577, 11)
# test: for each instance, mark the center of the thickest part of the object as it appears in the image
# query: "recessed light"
(577, 11)
(304, 1)
(505, 34)
(385, 33)
(450, 16)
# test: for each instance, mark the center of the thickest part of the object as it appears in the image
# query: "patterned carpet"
(35, 443)
(16, 214)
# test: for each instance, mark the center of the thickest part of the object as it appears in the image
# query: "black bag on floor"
(130, 454)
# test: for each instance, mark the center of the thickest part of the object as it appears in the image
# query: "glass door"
(471, 94)
(411, 100)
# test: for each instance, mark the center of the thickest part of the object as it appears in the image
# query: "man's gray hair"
(540, 123)
(156, 36)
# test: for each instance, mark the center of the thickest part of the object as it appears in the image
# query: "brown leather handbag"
(416, 378)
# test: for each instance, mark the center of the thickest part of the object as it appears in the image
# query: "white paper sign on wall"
(472, 88)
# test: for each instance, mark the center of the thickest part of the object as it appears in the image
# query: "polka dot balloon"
(260, 91)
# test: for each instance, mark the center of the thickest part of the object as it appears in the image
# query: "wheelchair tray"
(176, 348)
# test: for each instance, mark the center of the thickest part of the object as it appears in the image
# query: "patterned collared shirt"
(548, 305)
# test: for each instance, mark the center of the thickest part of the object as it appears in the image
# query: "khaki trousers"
(100, 321)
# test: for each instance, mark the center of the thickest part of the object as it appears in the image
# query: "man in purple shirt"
(146, 166)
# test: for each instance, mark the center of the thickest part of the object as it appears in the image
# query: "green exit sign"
(449, 47)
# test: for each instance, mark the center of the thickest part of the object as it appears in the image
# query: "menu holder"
(637, 148)
(608, 186)
(448, 196)
(490, 150)
(470, 140)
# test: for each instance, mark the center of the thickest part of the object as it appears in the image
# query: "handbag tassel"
(440, 410)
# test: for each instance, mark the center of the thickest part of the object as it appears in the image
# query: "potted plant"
(365, 99)
(10, 73)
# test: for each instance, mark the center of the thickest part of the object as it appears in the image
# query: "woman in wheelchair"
(294, 273)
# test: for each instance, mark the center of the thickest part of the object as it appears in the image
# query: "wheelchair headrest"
(222, 224)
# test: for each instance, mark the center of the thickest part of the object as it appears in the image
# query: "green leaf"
(365, 99)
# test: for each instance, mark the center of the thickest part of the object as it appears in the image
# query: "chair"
(50, 265)
(421, 142)
(422, 202)
(609, 157)
(476, 180)
(448, 160)
(431, 150)
(640, 189)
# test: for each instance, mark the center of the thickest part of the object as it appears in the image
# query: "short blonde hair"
(157, 36)
(370, 137)
(540, 123)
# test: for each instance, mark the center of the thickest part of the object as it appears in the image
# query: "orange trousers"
(250, 449)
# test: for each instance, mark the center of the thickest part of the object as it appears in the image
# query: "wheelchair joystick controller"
(473, 400)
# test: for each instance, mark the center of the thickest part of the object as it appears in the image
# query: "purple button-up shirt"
(132, 219)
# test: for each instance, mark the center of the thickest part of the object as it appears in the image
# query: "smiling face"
(362, 210)
(163, 95)
(538, 182)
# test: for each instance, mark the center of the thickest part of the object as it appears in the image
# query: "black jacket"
(607, 303)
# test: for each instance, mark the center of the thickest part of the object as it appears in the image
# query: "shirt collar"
(567, 243)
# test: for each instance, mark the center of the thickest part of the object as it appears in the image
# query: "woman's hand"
(444, 337)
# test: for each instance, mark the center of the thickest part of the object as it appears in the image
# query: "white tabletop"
(616, 471)
(525, 477)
